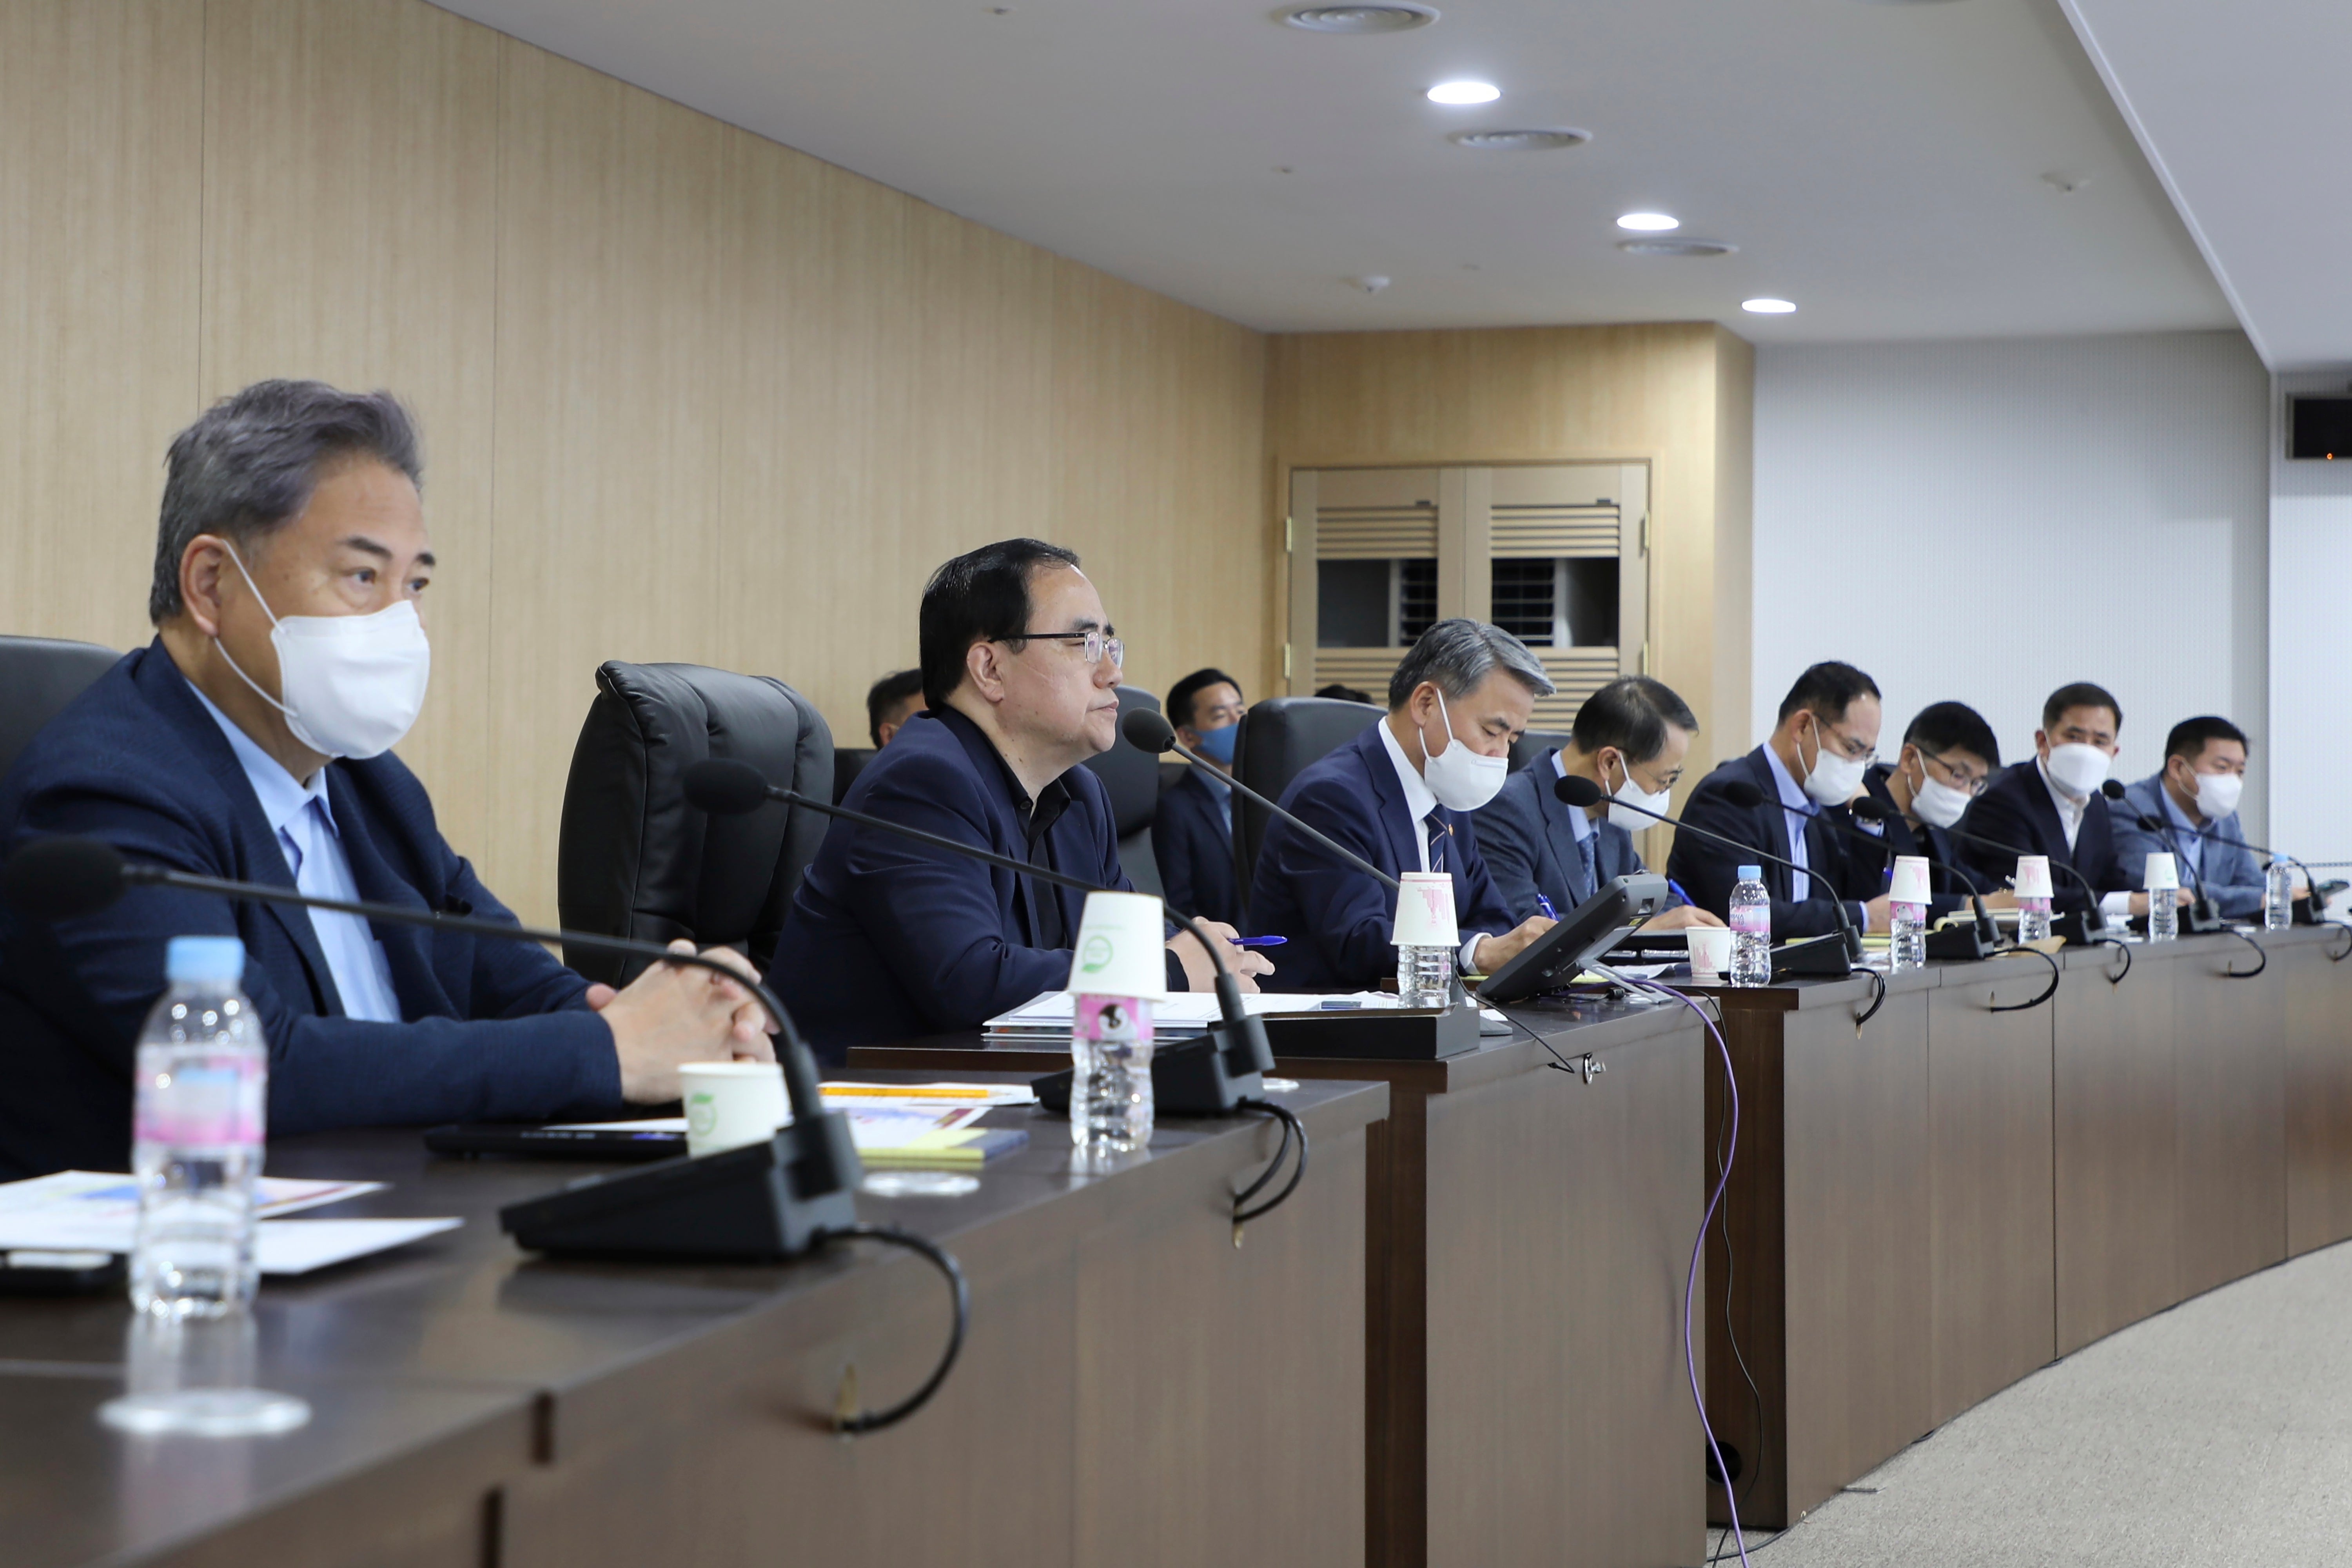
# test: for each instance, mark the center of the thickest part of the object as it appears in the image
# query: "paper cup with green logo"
(730, 1104)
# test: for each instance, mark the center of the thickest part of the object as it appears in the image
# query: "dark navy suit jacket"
(1708, 870)
(1195, 852)
(2016, 809)
(1339, 920)
(889, 940)
(1936, 843)
(496, 1031)
(1529, 842)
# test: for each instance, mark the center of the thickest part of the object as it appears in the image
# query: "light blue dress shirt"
(1797, 808)
(305, 824)
(1222, 789)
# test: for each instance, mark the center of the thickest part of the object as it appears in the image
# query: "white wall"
(1986, 520)
(2311, 576)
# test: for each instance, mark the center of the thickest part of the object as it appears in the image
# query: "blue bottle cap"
(1751, 873)
(220, 959)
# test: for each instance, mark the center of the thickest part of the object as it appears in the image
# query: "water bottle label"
(201, 1104)
(1908, 912)
(1756, 919)
(1113, 1020)
(2034, 906)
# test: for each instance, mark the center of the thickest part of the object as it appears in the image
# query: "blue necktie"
(1438, 834)
(1585, 847)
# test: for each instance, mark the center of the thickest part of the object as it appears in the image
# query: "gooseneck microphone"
(2094, 921)
(1864, 806)
(1234, 1069)
(1149, 731)
(2204, 914)
(1576, 790)
(2310, 883)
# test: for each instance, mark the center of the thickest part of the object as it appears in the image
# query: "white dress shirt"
(304, 823)
(1420, 801)
(2071, 811)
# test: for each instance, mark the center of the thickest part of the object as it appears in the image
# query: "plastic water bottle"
(2163, 915)
(2278, 896)
(1906, 946)
(1424, 976)
(201, 1092)
(1751, 930)
(1110, 1089)
(2032, 920)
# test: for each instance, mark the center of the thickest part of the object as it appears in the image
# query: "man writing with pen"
(1546, 857)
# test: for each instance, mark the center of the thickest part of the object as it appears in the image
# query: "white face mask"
(1833, 778)
(352, 684)
(1630, 793)
(1938, 802)
(2217, 794)
(2079, 769)
(1459, 777)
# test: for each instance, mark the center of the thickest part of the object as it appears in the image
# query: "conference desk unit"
(1931, 1204)
(1529, 1233)
(1135, 1388)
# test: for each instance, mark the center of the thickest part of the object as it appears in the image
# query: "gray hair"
(1459, 653)
(249, 463)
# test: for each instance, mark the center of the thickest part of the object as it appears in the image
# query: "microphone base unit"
(1961, 942)
(760, 1203)
(2075, 928)
(2201, 919)
(1210, 1076)
(1813, 958)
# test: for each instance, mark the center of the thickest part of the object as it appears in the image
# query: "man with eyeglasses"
(889, 939)
(1812, 761)
(1948, 756)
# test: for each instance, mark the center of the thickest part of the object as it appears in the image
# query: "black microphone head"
(1867, 807)
(724, 786)
(1575, 789)
(2112, 790)
(1742, 794)
(2147, 823)
(1146, 731)
(60, 879)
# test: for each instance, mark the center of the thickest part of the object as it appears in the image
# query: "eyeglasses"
(1092, 645)
(1846, 746)
(1963, 780)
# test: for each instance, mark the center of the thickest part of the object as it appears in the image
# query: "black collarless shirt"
(1039, 909)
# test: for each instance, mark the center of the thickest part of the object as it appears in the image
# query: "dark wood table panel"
(1993, 1312)
(2231, 1060)
(2116, 1165)
(2317, 1007)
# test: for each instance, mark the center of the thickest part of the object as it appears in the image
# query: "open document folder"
(97, 1211)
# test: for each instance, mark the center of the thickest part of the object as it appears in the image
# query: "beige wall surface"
(686, 394)
(1678, 396)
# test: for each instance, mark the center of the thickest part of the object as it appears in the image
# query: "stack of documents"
(92, 1210)
(1045, 1020)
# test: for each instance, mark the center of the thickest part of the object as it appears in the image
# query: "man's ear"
(203, 566)
(983, 668)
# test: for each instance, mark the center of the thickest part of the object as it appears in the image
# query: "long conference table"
(1461, 1342)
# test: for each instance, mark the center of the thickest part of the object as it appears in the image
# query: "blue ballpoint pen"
(1257, 940)
(1676, 889)
(1543, 907)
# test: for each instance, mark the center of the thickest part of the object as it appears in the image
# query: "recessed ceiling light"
(1675, 247)
(1767, 306)
(1520, 141)
(1649, 223)
(1388, 18)
(1464, 92)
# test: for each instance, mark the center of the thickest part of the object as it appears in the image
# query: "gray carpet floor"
(2217, 1433)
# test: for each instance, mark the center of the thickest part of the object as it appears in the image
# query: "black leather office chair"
(38, 676)
(1534, 743)
(636, 861)
(1281, 738)
(848, 762)
(1132, 777)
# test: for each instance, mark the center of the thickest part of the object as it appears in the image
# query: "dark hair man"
(1193, 830)
(2195, 796)
(1400, 796)
(1812, 761)
(1630, 738)
(891, 702)
(889, 939)
(1948, 756)
(2052, 804)
(251, 739)
(1343, 693)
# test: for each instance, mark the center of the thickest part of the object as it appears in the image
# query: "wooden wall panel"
(1676, 395)
(352, 237)
(101, 127)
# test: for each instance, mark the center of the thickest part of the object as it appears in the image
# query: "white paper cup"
(730, 1104)
(2161, 875)
(2033, 877)
(1710, 952)
(1120, 950)
(1910, 882)
(1425, 913)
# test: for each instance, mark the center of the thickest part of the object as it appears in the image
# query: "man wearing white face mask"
(1811, 763)
(1630, 738)
(1400, 795)
(2052, 804)
(250, 741)
(1948, 756)
(2195, 796)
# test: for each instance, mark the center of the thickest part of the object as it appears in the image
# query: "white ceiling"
(1882, 164)
(2241, 107)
